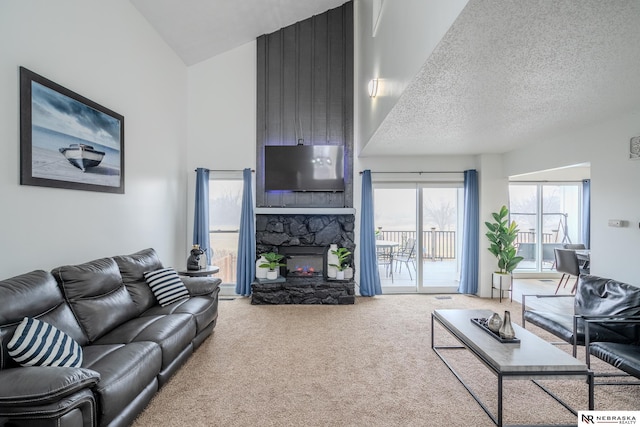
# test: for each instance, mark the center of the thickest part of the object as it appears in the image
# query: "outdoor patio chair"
(407, 255)
(385, 258)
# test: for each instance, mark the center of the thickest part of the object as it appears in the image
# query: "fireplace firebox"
(303, 261)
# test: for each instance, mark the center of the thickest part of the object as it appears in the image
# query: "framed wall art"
(67, 140)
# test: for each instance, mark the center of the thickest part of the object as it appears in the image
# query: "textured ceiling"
(509, 73)
(200, 29)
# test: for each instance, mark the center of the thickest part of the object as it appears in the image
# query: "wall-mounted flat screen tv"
(304, 168)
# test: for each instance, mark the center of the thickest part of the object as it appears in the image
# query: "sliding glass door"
(418, 236)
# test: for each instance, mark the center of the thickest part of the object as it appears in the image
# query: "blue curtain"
(369, 275)
(201, 214)
(586, 212)
(246, 268)
(470, 235)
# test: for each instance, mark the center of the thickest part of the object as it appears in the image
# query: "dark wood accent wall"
(305, 91)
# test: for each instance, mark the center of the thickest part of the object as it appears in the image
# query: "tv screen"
(304, 168)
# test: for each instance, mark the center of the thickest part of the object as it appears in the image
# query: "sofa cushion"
(625, 357)
(561, 325)
(598, 295)
(132, 268)
(601, 296)
(37, 343)
(166, 286)
(203, 309)
(173, 333)
(35, 294)
(125, 371)
(97, 296)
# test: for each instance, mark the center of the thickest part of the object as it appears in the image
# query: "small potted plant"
(273, 263)
(343, 255)
(501, 235)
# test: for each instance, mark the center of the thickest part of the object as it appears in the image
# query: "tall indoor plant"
(502, 235)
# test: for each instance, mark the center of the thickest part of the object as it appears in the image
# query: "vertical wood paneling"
(305, 90)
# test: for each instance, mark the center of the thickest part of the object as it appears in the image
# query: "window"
(225, 205)
(548, 216)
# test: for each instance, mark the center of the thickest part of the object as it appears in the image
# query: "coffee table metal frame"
(475, 347)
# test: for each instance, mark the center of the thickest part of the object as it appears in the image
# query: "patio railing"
(436, 245)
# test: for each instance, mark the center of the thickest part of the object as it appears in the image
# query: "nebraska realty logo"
(621, 418)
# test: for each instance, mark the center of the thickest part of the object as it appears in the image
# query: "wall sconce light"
(373, 88)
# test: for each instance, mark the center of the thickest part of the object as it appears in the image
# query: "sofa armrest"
(201, 286)
(37, 385)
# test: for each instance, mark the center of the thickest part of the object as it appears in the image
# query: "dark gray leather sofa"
(131, 345)
(595, 298)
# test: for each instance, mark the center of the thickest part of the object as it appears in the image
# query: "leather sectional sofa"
(130, 344)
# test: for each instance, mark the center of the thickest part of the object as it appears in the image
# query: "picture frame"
(66, 140)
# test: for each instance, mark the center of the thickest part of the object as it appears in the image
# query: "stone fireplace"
(304, 240)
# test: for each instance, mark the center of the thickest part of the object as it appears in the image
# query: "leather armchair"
(595, 297)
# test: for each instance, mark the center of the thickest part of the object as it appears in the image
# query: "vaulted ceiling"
(507, 73)
(200, 29)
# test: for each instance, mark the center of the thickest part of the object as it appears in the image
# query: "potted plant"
(273, 263)
(343, 255)
(348, 271)
(501, 235)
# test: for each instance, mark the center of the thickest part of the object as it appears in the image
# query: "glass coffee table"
(530, 359)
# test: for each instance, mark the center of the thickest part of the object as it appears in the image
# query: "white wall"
(222, 115)
(614, 188)
(108, 53)
(407, 32)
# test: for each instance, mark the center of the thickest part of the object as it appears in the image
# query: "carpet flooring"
(367, 364)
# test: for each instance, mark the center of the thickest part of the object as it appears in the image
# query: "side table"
(210, 270)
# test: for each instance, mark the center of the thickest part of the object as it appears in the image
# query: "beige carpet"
(368, 364)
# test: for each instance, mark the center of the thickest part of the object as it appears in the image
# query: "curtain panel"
(246, 267)
(201, 213)
(369, 274)
(470, 235)
(586, 213)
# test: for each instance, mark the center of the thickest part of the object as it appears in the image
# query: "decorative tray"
(482, 323)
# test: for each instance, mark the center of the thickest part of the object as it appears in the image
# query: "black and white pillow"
(37, 343)
(166, 285)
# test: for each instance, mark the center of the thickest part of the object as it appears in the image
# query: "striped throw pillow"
(166, 286)
(37, 343)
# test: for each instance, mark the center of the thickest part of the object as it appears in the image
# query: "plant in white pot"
(343, 255)
(502, 235)
(273, 264)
